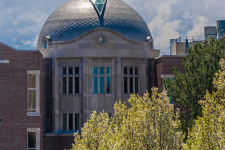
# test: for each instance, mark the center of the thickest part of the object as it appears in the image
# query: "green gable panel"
(99, 7)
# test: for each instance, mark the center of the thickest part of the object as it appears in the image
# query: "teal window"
(70, 85)
(77, 85)
(108, 70)
(95, 85)
(70, 121)
(76, 122)
(102, 70)
(63, 71)
(64, 122)
(64, 85)
(32, 140)
(95, 70)
(102, 84)
(45, 44)
(108, 84)
(102, 39)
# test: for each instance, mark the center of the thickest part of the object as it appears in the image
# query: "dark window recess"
(136, 71)
(31, 139)
(131, 70)
(77, 85)
(70, 121)
(136, 85)
(64, 71)
(70, 70)
(125, 84)
(64, 122)
(76, 122)
(131, 85)
(125, 70)
(64, 85)
(70, 85)
(76, 70)
(0, 120)
(110, 115)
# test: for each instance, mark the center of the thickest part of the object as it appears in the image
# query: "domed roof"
(76, 17)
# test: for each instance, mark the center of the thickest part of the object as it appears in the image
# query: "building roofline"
(170, 56)
(16, 49)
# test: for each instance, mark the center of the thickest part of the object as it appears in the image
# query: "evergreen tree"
(201, 64)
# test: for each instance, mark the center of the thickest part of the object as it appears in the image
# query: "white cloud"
(31, 43)
(198, 28)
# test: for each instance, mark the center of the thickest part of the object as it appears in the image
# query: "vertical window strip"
(125, 70)
(64, 122)
(32, 141)
(70, 85)
(108, 84)
(76, 70)
(70, 121)
(31, 92)
(131, 85)
(76, 122)
(95, 85)
(102, 84)
(64, 85)
(108, 70)
(125, 85)
(136, 85)
(131, 71)
(77, 85)
(136, 71)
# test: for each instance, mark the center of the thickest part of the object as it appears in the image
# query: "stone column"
(118, 80)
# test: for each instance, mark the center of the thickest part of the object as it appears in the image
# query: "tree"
(201, 63)
(209, 131)
(149, 123)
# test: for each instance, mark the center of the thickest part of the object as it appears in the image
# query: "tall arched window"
(45, 44)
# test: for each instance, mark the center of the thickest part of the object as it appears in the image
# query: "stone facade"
(14, 120)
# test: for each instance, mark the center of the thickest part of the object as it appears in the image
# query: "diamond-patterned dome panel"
(77, 17)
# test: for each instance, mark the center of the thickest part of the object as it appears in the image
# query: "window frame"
(129, 76)
(37, 130)
(37, 89)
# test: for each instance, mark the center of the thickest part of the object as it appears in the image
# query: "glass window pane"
(98, 1)
(64, 122)
(131, 70)
(70, 70)
(125, 70)
(31, 139)
(31, 100)
(45, 44)
(70, 121)
(76, 121)
(125, 84)
(31, 81)
(131, 84)
(99, 7)
(95, 70)
(76, 70)
(64, 85)
(108, 70)
(136, 85)
(102, 70)
(136, 71)
(64, 71)
(77, 86)
(70, 85)
(108, 84)
(95, 85)
(102, 84)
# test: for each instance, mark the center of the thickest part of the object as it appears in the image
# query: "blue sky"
(22, 20)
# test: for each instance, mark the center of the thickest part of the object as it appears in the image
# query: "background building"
(21, 99)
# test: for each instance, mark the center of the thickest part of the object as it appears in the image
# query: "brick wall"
(13, 97)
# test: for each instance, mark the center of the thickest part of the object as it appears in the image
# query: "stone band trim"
(167, 76)
(4, 61)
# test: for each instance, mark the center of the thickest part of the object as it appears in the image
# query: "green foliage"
(209, 131)
(201, 63)
(150, 123)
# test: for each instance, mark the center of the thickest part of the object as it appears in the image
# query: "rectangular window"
(32, 141)
(131, 84)
(125, 70)
(70, 121)
(131, 70)
(95, 70)
(77, 86)
(64, 85)
(102, 70)
(64, 71)
(64, 122)
(136, 85)
(125, 84)
(102, 85)
(95, 85)
(76, 70)
(108, 70)
(136, 71)
(76, 122)
(70, 85)
(70, 70)
(108, 84)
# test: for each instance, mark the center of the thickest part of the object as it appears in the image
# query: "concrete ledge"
(58, 134)
(167, 75)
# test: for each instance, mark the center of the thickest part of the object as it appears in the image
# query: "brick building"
(21, 105)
